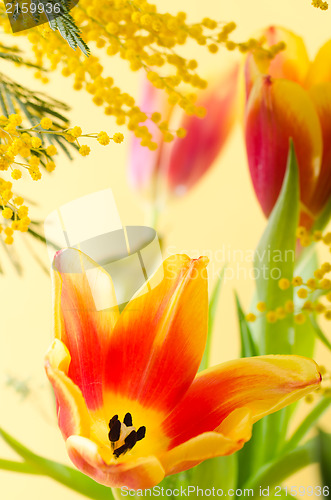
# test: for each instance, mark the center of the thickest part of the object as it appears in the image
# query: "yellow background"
(221, 212)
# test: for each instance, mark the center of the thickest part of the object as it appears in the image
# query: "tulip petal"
(141, 473)
(261, 385)
(81, 288)
(71, 408)
(278, 110)
(144, 163)
(158, 342)
(290, 64)
(321, 96)
(320, 68)
(234, 432)
(192, 156)
(306, 218)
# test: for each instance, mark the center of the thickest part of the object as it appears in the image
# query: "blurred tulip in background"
(178, 165)
(289, 97)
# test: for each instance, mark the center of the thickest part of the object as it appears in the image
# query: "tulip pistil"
(122, 435)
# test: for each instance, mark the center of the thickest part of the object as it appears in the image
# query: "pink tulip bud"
(192, 156)
(180, 164)
(144, 163)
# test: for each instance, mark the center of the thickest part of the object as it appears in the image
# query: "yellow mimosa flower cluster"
(23, 149)
(312, 284)
(319, 4)
(318, 282)
(306, 237)
(146, 39)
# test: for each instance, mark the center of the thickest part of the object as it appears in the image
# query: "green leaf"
(324, 450)
(251, 456)
(219, 472)
(63, 474)
(307, 262)
(67, 28)
(213, 303)
(177, 480)
(275, 472)
(307, 424)
(9, 101)
(274, 259)
(11, 54)
(35, 105)
(324, 218)
(2, 101)
(305, 335)
(12, 256)
(38, 236)
(63, 145)
(21, 467)
(319, 333)
(248, 346)
(36, 256)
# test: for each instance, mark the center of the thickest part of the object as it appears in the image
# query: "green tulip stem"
(21, 467)
(67, 476)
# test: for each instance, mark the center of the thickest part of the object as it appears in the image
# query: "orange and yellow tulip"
(130, 406)
(289, 97)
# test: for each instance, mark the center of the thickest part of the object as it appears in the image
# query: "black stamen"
(128, 420)
(131, 440)
(119, 451)
(115, 430)
(112, 420)
(141, 433)
(129, 443)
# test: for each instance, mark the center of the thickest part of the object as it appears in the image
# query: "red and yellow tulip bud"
(292, 63)
(130, 404)
(320, 69)
(180, 164)
(318, 82)
(276, 111)
(321, 96)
